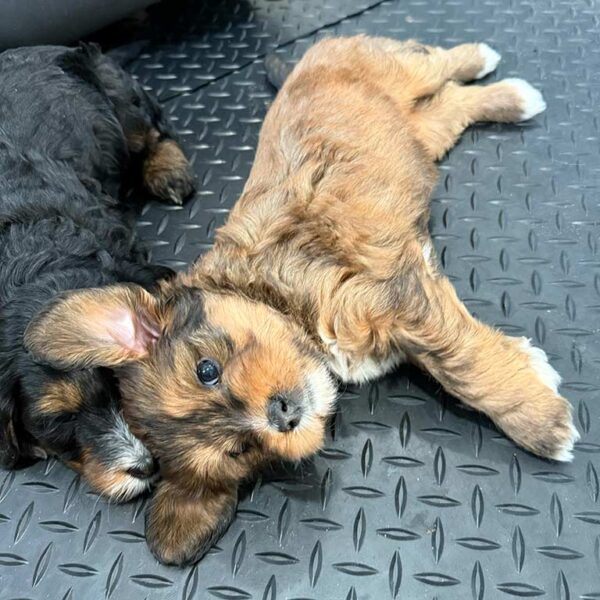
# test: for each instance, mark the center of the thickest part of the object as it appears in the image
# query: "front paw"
(542, 421)
(564, 437)
(489, 60)
(167, 173)
(542, 424)
(181, 529)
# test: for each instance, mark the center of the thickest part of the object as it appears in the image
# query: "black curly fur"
(65, 118)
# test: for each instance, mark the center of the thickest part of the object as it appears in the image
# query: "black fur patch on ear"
(186, 305)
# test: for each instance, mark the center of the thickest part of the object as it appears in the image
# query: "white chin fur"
(129, 488)
(539, 363)
(323, 392)
(491, 58)
(532, 100)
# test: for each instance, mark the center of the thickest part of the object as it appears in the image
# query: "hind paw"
(531, 101)
(167, 173)
(490, 57)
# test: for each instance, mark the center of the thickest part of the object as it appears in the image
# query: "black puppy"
(75, 133)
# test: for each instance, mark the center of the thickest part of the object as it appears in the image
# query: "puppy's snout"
(144, 469)
(285, 411)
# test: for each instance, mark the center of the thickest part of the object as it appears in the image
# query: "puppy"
(324, 266)
(74, 128)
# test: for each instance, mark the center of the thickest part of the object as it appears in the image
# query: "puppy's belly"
(352, 370)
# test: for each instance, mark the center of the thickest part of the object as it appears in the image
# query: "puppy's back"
(51, 107)
(62, 152)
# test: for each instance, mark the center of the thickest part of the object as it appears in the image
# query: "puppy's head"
(77, 417)
(215, 385)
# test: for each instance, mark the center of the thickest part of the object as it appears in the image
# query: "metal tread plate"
(188, 44)
(414, 496)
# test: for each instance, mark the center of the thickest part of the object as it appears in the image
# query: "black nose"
(144, 469)
(285, 411)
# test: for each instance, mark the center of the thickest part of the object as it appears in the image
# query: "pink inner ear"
(131, 331)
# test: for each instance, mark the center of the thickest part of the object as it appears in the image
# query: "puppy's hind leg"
(426, 69)
(166, 172)
(504, 377)
(439, 120)
(156, 155)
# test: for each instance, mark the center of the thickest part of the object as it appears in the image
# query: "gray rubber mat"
(414, 496)
(187, 44)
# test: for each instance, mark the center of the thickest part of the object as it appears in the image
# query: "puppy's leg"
(438, 121)
(504, 377)
(165, 171)
(427, 68)
(181, 528)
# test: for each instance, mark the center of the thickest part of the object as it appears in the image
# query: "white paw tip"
(538, 361)
(491, 58)
(565, 454)
(533, 102)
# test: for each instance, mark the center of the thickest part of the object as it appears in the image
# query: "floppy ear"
(180, 528)
(97, 327)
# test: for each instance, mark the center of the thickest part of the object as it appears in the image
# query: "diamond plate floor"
(413, 497)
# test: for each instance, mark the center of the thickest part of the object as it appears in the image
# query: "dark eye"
(209, 372)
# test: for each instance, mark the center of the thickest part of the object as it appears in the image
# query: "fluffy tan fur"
(60, 396)
(326, 260)
(333, 224)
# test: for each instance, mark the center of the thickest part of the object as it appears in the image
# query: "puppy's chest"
(350, 368)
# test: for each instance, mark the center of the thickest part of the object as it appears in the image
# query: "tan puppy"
(325, 264)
